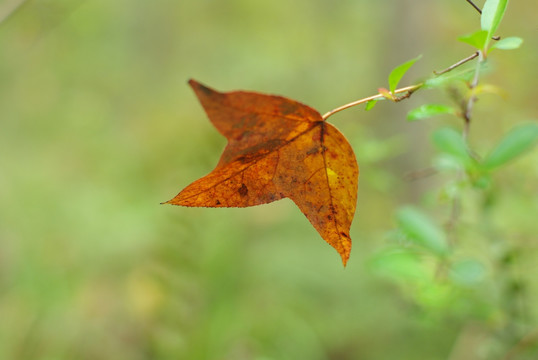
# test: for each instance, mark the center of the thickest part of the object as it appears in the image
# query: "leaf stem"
(459, 63)
(468, 108)
(406, 90)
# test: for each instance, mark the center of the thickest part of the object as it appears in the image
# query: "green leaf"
(477, 39)
(467, 272)
(520, 139)
(446, 162)
(421, 229)
(399, 71)
(482, 182)
(492, 14)
(429, 110)
(398, 264)
(508, 43)
(370, 105)
(449, 78)
(451, 142)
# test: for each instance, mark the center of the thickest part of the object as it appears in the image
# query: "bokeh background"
(98, 126)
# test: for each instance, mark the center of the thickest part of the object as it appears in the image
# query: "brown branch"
(407, 91)
(468, 107)
(459, 63)
(420, 174)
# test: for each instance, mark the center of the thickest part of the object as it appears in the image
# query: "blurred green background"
(98, 126)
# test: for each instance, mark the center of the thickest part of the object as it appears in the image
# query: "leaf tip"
(344, 249)
(193, 83)
(174, 201)
(201, 90)
(345, 258)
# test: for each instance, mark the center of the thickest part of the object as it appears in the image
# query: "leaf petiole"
(407, 91)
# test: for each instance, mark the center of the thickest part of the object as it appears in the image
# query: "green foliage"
(370, 105)
(399, 71)
(509, 43)
(399, 264)
(429, 110)
(515, 143)
(419, 228)
(449, 78)
(98, 127)
(467, 272)
(477, 39)
(450, 142)
(492, 14)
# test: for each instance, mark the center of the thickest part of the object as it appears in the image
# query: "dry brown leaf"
(278, 148)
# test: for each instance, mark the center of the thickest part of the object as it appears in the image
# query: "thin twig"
(420, 174)
(468, 108)
(406, 90)
(459, 63)
(473, 5)
(455, 210)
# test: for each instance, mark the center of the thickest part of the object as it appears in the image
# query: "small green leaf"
(477, 39)
(467, 272)
(489, 89)
(429, 110)
(520, 139)
(508, 43)
(451, 142)
(449, 78)
(421, 229)
(482, 182)
(399, 71)
(492, 14)
(370, 105)
(398, 264)
(445, 163)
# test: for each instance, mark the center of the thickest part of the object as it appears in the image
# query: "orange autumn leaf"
(278, 148)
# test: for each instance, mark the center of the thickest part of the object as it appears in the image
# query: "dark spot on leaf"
(205, 89)
(278, 145)
(242, 159)
(286, 108)
(243, 190)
